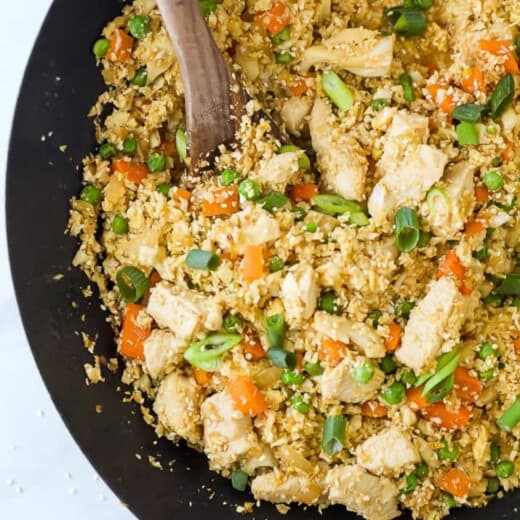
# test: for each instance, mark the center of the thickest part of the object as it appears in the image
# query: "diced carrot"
(246, 395)
(224, 201)
(299, 360)
(155, 278)
(331, 352)
(135, 172)
(481, 194)
(502, 48)
(451, 265)
(455, 482)
(179, 194)
(253, 263)
(299, 88)
(132, 335)
(439, 414)
(473, 81)
(393, 340)
(303, 192)
(202, 377)
(434, 89)
(507, 152)
(374, 409)
(465, 289)
(416, 400)
(275, 19)
(467, 387)
(448, 103)
(474, 227)
(253, 348)
(120, 48)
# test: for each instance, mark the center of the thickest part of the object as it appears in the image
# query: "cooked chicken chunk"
(177, 406)
(161, 350)
(449, 216)
(374, 498)
(387, 452)
(408, 184)
(228, 433)
(256, 226)
(340, 158)
(434, 322)
(279, 487)
(279, 170)
(293, 113)
(360, 51)
(342, 329)
(299, 293)
(339, 383)
(183, 312)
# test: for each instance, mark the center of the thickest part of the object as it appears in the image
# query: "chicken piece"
(408, 183)
(299, 293)
(277, 487)
(177, 407)
(434, 322)
(374, 498)
(449, 217)
(339, 383)
(256, 226)
(279, 170)
(360, 51)
(342, 329)
(183, 312)
(387, 452)
(294, 112)
(340, 158)
(228, 433)
(161, 350)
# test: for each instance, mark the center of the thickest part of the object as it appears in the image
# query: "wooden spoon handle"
(210, 119)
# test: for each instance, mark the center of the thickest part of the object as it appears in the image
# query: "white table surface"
(43, 474)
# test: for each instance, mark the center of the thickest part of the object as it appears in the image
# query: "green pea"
(363, 373)
(447, 452)
(91, 194)
(411, 483)
(311, 227)
(107, 151)
(229, 177)
(300, 405)
(130, 146)
(233, 323)
(164, 189)
(156, 162)
(276, 264)
(283, 58)
(402, 308)
(100, 48)
(422, 470)
(292, 377)
(120, 225)
(486, 350)
(249, 189)
(329, 303)
(449, 500)
(313, 369)
(505, 469)
(494, 452)
(493, 180)
(379, 104)
(388, 365)
(395, 393)
(283, 36)
(141, 77)
(409, 378)
(139, 26)
(493, 485)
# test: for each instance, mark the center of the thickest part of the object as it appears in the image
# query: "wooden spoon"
(214, 99)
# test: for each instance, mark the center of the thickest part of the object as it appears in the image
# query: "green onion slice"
(337, 90)
(207, 353)
(442, 390)
(446, 366)
(181, 144)
(239, 480)
(407, 84)
(333, 440)
(470, 112)
(304, 163)
(437, 200)
(467, 134)
(510, 286)
(275, 326)
(511, 417)
(407, 231)
(204, 260)
(281, 357)
(132, 283)
(407, 21)
(274, 200)
(502, 96)
(335, 204)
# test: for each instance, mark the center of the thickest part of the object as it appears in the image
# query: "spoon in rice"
(214, 99)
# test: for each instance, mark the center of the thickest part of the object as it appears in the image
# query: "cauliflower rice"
(336, 322)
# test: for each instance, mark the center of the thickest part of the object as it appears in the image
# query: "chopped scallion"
(336, 89)
(207, 353)
(406, 230)
(333, 440)
(502, 96)
(204, 260)
(467, 134)
(132, 283)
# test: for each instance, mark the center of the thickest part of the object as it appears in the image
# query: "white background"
(43, 474)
